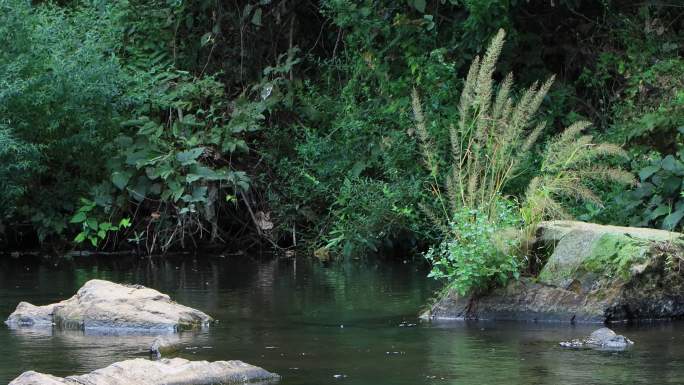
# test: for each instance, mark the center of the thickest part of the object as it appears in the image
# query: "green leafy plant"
(61, 99)
(658, 200)
(93, 229)
(179, 162)
(474, 255)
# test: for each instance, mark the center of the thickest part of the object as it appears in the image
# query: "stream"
(347, 323)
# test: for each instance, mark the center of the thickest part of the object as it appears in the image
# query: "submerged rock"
(601, 339)
(104, 305)
(595, 274)
(163, 345)
(176, 371)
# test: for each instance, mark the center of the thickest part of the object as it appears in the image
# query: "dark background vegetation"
(169, 124)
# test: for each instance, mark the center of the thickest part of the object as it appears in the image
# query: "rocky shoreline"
(596, 274)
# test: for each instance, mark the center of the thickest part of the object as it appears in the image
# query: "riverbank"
(593, 273)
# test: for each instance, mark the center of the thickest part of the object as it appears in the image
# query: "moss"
(553, 272)
(614, 254)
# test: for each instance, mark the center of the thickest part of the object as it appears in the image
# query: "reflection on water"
(353, 324)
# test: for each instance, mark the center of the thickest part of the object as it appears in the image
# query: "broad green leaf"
(92, 223)
(120, 179)
(646, 172)
(78, 218)
(669, 163)
(671, 221)
(205, 39)
(671, 185)
(190, 156)
(256, 18)
(139, 191)
(155, 189)
(133, 158)
(102, 234)
(420, 5)
(658, 212)
(80, 237)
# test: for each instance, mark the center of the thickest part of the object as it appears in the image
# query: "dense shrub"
(61, 96)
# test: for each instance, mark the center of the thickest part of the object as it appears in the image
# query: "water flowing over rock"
(601, 339)
(176, 371)
(595, 274)
(104, 305)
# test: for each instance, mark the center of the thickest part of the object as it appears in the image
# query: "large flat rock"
(104, 305)
(595, 274)
(577, 242)
(176, 371)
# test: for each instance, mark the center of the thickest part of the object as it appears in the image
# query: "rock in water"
(31, 315)
(104, 305)
(176, 371)
(595, 274)
(164, 345)
(601, 339)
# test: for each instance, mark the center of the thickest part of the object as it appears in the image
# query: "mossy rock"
(586, 249)
(595, 274)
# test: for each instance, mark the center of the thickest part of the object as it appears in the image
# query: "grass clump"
(491, 144)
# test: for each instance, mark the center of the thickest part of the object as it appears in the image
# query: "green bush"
(658, 200)
(476, 252)
(178, 164)
(61, 96)
(17, 160)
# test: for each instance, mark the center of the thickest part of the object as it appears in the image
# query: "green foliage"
(92, 229)
(17, 160)
(658, 200)
(61, 93)
(180, 160)
(490, 140)
(474, 255)
(162, 112)
(489, 145)
(366, 214)
(350, 179)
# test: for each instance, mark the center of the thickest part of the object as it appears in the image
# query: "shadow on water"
(316, 324)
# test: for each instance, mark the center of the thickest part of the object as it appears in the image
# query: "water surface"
(315, 324)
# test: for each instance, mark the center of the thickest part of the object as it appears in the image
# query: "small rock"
(601, 339)
(164, 345)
